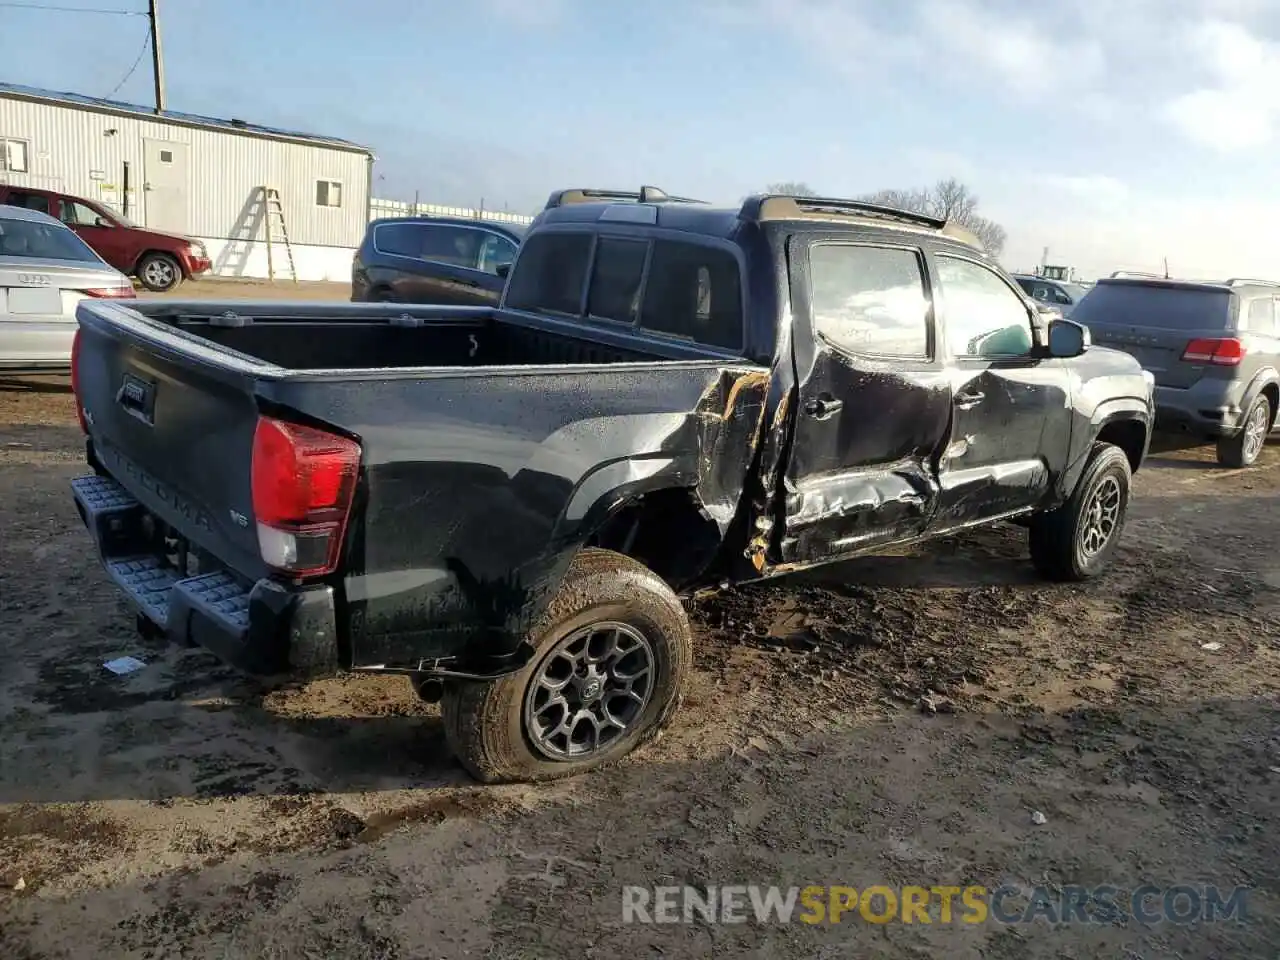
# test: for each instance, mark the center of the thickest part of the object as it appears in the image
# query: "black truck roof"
(654, 207)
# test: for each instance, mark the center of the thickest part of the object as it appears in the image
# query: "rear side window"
(32, 201)
(43, 241)
(456, 246)
(869, 300)
(398, 239)
(550, 273)
(694, 291)
(1262, 317)
(1157, 306)
(615, 280)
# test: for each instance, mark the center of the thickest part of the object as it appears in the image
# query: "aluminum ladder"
(275, 231)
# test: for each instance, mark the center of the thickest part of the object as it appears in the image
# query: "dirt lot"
(182, 811)
(216, 289)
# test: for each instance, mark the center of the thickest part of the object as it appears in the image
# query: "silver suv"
(1213, 348)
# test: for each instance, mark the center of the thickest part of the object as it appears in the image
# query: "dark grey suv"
(1213, 348)
(434, 260)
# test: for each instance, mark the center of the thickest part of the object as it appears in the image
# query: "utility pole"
(157, 63)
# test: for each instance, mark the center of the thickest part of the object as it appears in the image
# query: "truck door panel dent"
(872, 407)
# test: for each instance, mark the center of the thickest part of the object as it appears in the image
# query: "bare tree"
(791, 188)
(947, 200)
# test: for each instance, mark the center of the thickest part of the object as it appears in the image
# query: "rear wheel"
(613, 648)
(159, 272)
(1245, 447)
(1076, 541)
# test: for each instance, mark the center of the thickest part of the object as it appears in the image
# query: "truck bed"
(488, 442)
(386, 336)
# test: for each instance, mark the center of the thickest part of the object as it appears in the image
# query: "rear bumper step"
(263, 628)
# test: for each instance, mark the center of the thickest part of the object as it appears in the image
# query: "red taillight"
(75, 379)
(110, 293)
(303, 480)
(1224, 352)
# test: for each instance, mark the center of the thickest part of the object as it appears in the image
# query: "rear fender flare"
(1264, 378)
(610, 487)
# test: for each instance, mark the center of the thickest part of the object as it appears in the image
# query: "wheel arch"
(157, 251)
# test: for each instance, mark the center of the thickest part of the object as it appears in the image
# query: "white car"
(45, 270)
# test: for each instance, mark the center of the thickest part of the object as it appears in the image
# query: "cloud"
(971, 42)
(1091, 188)
(1238, 109)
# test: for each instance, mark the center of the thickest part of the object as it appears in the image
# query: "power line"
(146, 42)
(59, 9)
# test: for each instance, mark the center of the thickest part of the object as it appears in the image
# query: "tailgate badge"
(34, 280)
(239, 519)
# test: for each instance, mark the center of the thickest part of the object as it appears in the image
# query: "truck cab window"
(615, 280)
(984, 317)
(869, 300)
(551, 273)
(694, 291)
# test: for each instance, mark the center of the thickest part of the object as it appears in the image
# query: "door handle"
(966, 400)
(822, 407)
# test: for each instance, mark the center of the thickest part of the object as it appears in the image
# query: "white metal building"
(195, 176)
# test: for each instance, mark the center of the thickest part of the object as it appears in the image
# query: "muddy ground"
(184, 812)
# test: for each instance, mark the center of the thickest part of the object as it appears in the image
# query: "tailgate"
(1158, 350)
(174, 427)
(1155, 321)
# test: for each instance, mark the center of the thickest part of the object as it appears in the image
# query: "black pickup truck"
(506, 504)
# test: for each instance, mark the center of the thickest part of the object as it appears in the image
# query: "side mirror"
(502, 269)
(103, 222)
(1068, 339)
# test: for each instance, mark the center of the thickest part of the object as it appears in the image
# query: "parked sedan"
(434, 260)
(45, 270)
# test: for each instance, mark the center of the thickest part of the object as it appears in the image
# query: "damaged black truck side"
(506, 504)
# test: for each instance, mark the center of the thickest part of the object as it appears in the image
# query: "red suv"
(160, 261)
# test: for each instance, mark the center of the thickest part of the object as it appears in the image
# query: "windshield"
(43, 241)
(1155, 305)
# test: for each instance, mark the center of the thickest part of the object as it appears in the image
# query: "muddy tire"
(1076, 541)
(612, 651)
(159, 272)
(1245, 447)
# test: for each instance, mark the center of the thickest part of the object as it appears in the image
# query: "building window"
(13, 156)
(166, 156)
(328, 193)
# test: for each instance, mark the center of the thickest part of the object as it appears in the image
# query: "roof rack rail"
(561, 198)
(1242, 281)
(1135, 275)
(774, 206)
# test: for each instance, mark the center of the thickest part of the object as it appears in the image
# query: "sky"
(1117, 133)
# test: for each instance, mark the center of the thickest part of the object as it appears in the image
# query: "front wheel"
(1243, 449)
(159, 272)
(1076, 541)
(612, 650)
